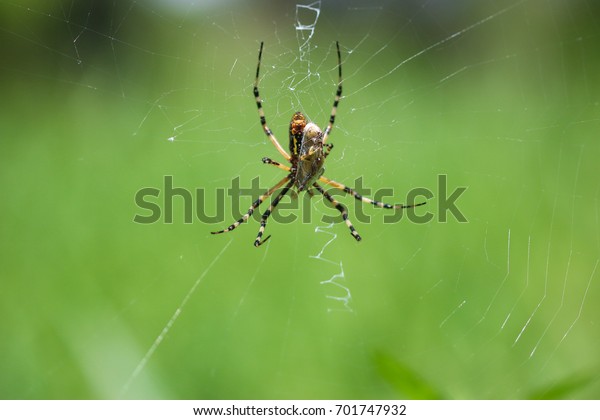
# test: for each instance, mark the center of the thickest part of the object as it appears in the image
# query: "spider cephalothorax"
(296, 132)
(308, 152)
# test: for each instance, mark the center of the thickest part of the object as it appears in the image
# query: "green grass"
(435, 309)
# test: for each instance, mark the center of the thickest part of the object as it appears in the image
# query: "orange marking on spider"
(308, 151)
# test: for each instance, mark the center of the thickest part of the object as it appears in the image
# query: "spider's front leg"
(261, 112)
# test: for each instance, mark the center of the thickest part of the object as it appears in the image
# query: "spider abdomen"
(311, 157)
(308, 151)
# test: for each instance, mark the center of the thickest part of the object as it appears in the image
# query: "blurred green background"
(101, 99)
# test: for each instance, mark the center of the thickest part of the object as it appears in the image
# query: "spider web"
(102, 99)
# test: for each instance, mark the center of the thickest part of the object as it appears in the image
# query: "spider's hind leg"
(341, 208)
(254, 205)
(263, 221)
(367, 200)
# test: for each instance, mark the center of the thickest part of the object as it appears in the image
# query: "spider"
(308, 151)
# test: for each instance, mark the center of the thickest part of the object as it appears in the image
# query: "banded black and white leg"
(263, 221)
(367, 200)
(270, 161)
(261, 112)
(341, 208)
(254, 205)
(336, 100)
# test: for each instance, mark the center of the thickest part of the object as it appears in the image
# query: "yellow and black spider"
(309, 149)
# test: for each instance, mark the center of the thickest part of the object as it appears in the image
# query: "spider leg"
(341, 208)
(328, 147)
(261, 112)
(254, 205)
(272, 162)
(367, 200)
(338, 95)
(263, 221)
